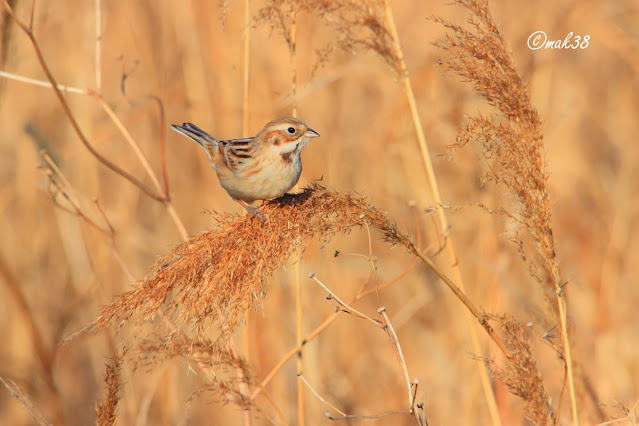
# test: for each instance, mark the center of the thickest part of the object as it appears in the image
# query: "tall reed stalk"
(443, 221)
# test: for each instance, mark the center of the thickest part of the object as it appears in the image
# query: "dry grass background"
(58, 269)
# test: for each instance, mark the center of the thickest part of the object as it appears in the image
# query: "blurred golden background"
(190, 56)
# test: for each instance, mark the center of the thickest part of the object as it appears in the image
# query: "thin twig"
(165, 174)
(297, 271)
(160, 195)
(245, 75)
(28, 30)
(370, 259)
(98, 46)
(276, 407)
(245, 133)
(320, 328)
(300, 374)
(400, 354)
(629, 416)
(53, 172)
(479, 315)
(128, 137)
(371, 416)
(24, 399)
(348, 308)
(42, 83)
(292, 51)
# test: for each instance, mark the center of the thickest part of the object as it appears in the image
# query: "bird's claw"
(256, 212)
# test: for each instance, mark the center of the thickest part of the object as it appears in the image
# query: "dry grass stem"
(25, 401)
(400, 355)
(28, 30)
(158, 195)
(344, 306)
(365, 416)
(246, 47)
(631, 415)
(300, 374)
(316, 332)
(98, 45)
(42, 83)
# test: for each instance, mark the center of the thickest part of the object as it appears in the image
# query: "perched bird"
(259, 168)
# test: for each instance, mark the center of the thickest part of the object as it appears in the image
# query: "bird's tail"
(206, 141)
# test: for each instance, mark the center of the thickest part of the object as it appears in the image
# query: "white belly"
(260, 182)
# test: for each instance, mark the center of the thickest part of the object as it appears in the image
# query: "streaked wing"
(236, 152)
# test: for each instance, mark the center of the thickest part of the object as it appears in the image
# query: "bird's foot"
(254, 211)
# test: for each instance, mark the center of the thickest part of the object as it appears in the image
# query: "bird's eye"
(291, 130)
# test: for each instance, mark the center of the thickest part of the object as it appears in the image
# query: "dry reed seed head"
(106, 409)
(217, 277)
(512, 140)
(357, 24)
(218, 365)
(519, 371)
(279, 15)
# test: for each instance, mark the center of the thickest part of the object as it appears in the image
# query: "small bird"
(259, 168)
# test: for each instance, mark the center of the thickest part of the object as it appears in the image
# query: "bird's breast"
(265, 178)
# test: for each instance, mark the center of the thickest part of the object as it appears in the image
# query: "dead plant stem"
(298, 335)
(471, 308)
(301, 375)
(561, 303)
(298, 282)
(320, 328)
(400, 354)
(28, 30)
(98, 46)
(408, 90)
(246, 341)
(127, 137)
(292, 51)
(245, 74)
(42, 83)
(160, 194)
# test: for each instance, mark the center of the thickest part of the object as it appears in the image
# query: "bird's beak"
(310, 133)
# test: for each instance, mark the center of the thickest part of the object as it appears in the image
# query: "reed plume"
(217, 277)
(520, 373)
(357, 25)
(512, 142)
(512, 139)
(106, 409)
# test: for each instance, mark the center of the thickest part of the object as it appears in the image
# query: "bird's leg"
(252, 210)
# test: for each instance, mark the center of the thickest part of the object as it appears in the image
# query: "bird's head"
(287, 135)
